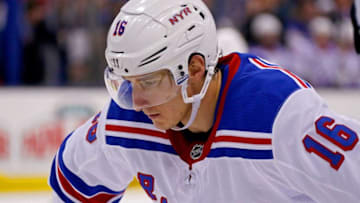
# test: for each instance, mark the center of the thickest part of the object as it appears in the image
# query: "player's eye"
(146, 84)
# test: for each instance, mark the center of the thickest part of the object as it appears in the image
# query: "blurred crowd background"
(62, 42)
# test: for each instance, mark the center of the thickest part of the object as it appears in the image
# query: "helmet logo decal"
(182, 79)
(120, 28)
(180, 15)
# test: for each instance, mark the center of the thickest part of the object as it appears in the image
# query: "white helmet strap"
(195, 99)
(194, 109)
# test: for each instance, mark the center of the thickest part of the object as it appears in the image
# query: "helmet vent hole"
(150, 61)
(192, 27)
(202, 15)
(154, 54)
(117, 52)
(195, 8)
(165, 36)
(180, 67)
(126, 70)
(153, 57)
(184, 5)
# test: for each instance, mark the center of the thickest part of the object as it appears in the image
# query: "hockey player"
(355, 17)
(195, 127)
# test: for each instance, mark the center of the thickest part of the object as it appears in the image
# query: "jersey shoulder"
(256, 92)
(77, 162)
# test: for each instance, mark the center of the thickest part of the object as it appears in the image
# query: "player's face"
(169, 114)
(142, 91)
(159, 98)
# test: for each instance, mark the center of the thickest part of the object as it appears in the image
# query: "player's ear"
(196, 68)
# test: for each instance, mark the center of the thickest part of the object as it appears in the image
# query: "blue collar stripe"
(241, 153)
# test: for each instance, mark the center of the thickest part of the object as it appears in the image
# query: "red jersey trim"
(292, 75)
(66, 185)
(234, 65)
(247, 140)
(142, 131)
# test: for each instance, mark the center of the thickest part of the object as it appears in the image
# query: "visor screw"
(182, 73)
(126, 70)
(180, 67)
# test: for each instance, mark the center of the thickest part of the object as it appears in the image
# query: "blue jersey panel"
(254, 97)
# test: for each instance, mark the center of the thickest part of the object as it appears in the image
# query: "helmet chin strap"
(194, 109)
(195, 100)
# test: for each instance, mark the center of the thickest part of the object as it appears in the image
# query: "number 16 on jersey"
(340, 135)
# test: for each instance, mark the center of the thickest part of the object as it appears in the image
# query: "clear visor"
(138, 92)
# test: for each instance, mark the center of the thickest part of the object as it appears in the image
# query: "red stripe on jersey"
(260, 63)
(247, 140)
(143, 131)
(101, 197)
(233, 68)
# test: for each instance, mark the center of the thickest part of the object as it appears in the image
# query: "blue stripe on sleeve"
(139, 144)
(75, 181)
(55, 185)
(243, 153)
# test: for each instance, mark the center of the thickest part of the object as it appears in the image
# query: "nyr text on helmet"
(180, 15)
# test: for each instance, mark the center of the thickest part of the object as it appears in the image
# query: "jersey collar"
(194, 151)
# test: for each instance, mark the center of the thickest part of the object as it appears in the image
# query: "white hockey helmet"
(148, 36)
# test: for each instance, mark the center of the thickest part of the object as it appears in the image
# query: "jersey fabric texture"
(273, 140)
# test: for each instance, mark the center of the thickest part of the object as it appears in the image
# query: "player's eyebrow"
(147, 76)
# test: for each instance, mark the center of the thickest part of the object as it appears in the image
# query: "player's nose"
(139, 101)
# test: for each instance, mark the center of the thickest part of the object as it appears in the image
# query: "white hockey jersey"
(273, 140)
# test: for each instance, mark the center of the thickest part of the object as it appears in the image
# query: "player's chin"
(161, 125)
